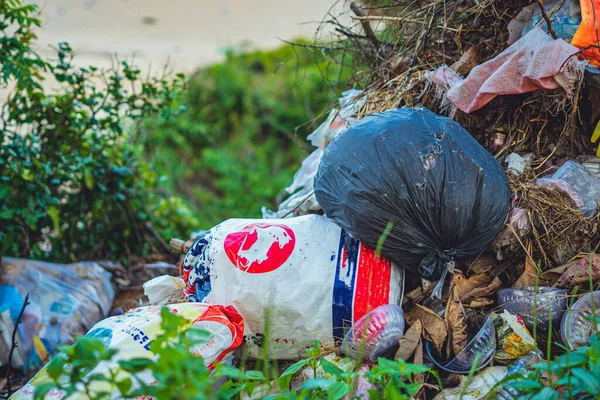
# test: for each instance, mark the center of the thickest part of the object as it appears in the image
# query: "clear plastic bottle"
(520, 366)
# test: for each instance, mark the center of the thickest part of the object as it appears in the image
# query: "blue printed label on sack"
(138, 336)
(61, 308)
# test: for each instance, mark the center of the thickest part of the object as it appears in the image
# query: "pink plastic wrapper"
(536, 61)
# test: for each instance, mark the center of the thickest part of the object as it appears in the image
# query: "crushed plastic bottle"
(520, 366)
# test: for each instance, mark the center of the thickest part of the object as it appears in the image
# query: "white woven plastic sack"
(132, 333)
(303, 274)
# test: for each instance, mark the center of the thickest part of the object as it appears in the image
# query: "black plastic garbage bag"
(443, 195)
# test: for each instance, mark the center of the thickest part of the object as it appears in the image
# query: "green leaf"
(317, 383)
(230, 372)
(413, 388)
(526, 384)
(27, 175)
(297, 366)
(415, 369)
(255, 375)
(124, 385)
(391, 392)
(388, 366)
(53, 214)
(330, 368)
(198, 335)
(591, 384)
(4, 191)
(545, 394)
(383, 237)
(374, 394)
(7, 214)
(55, 366)
(573, 359)
(337, 391)
(279, 397)
(41, 390)
(230, 389)
(136, 364)
(250, 386)
(88, 177)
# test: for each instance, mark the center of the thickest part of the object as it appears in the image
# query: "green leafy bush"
(86, 168)
(233, 146)
(72, 183)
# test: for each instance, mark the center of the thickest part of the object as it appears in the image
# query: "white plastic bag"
(579, 183)
(302, 200)
(163, 289)
(303, 276)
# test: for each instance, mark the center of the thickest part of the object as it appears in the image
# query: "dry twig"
(14, 345)
(547, 18)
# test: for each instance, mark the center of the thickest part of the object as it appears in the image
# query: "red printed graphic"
(372, 282)
(260, 247)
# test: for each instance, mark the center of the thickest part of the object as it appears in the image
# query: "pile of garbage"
(426, 225)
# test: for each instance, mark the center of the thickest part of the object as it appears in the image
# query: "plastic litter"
(522, 367)
(420, 178)
(579, 183)
(577, 327)
(579, 272)
(520, 24)
(519, 224)
(302, 200)
(481, 347)
(535, 307)
(337, 121)
(478, 388)
(304, 277)
(362, 384)
(131, 334)
(565, 21)
(65, 301)
(565, 17)
(164, 289)
(307, 171)
(536, 61)
(344, 363)
(301, 377)
(593, 167)
(586, 36)
(513, 338)
(517, 163)
(376, 334)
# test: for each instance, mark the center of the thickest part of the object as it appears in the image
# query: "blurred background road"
(186, 33)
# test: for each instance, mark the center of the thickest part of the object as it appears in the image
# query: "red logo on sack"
(260, 247)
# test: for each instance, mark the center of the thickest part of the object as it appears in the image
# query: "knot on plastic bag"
(435, 262)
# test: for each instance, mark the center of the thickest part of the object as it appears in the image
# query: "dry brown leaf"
(454, 380)
(480, 303)
(469, 60)
(553, 275)
(530, 274)
(482, 264)
(433, 324)
(409, 342)
(456, 322)
(475, 286)
(412, 295)
(578, 272)
(419, 360)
